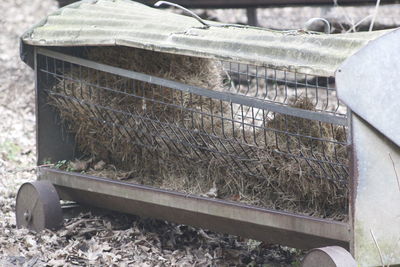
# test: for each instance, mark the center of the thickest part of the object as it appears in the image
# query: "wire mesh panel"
(262, 136)
(284, 87)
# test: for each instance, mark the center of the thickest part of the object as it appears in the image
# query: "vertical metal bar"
(201, 114)
(264, 127)
(243, 125)
(222, 119)
(285, 86)
(295, 86)
(191, 112)
(306, 81)
(254, 128)
(287, 135)
(275, 85)
(80, 81)
(252, 16)
(239, 78)
(316, 92)
(327, 93)
(36, 71)
(232, 121)
(212, 116)
(182, 105)
(257, 82)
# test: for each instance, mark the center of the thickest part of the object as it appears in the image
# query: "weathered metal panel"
(53, 142)
(127, 23)
(369, 83)
(376, 207)
(214, 214)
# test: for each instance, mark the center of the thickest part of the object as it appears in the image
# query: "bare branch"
(395, 171)
(371, 26)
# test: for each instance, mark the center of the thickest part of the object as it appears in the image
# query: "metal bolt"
(27, 216)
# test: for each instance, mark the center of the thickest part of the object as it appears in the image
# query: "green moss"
(10, 151)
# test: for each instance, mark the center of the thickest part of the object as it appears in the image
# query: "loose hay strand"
(133, 135)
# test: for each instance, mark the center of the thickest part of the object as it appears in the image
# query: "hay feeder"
(287, 137)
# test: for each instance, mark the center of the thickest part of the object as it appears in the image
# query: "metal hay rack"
(286, 121)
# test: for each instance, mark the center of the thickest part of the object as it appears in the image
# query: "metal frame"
(248, 221)
(244, 114)
(224, 216)
(230, 97)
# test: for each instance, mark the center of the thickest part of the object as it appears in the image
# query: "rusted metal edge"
(229, 217)
(354, 174)
(224, 96)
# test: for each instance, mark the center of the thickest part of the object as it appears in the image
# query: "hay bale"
(113, 142)
(141, 118)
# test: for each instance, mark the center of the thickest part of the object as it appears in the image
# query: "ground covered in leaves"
(102, 238)
(98, 237)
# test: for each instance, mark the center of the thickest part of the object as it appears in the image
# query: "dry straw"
(130, 134)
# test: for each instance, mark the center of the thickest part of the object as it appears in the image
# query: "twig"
(395, 172)
(371, 26)
(88, 231)
(379, 250)
(46, 165)
(205, 235)
(353, 28)
(344, 12)
(85, 221)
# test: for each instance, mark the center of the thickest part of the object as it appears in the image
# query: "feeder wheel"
(38, 206)
(332, 256)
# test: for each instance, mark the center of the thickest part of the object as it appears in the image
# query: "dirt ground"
(105, 238)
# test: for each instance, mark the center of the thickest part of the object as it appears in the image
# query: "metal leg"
(252, 16)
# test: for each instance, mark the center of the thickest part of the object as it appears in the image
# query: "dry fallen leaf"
(79, 165)
(99, 165)
(213, 192)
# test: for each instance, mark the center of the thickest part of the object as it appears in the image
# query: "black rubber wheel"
(38, 206)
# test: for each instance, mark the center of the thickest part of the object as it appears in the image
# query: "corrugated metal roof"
(127, 23)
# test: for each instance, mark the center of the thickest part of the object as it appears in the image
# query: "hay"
(134, 141)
